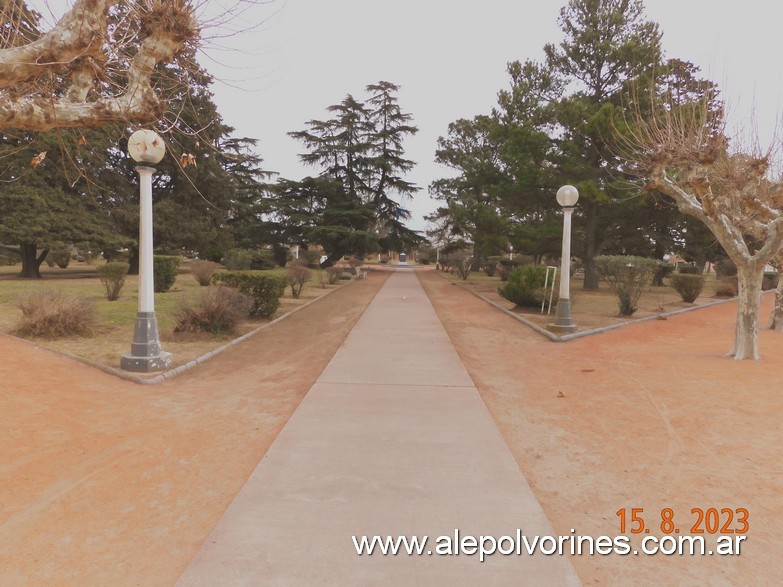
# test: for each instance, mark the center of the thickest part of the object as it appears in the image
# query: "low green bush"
(54, 314)
(628, 276)
(264, 288)
(688, 286)
(238, 259)
(60, 256)
(113, 278)
(689, 270)
(525, 286)
(218, 310)
(165, 269)
(244, 259)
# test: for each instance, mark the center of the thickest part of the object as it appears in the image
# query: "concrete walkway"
(393, 439)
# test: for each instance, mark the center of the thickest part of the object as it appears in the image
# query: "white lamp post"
(567, 197)
(146, 147)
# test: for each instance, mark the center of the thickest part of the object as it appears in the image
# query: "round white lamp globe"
(567, 196)
(145, 146)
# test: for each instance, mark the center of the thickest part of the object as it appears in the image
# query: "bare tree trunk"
(749, 279)
(591, 273)
(777, 310)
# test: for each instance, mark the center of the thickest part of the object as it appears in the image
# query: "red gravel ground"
(652, 415)
(104, 482)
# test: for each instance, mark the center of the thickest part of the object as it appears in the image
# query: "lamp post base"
(146, 355)
(563, 323)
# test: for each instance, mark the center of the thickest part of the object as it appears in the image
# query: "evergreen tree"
(361, 156)
(608, 49)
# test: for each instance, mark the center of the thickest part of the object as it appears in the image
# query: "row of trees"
(643, 139)
(77, 186)
(555, 124)
(603, 108)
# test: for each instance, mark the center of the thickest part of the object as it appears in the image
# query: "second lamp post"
(567, 197)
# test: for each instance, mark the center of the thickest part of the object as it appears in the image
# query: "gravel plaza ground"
(108, 482)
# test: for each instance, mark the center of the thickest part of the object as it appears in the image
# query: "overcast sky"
(449, 59)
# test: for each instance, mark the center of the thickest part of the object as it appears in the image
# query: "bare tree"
(683, 153)
(94, 66)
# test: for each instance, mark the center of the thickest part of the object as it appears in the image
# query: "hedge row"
(265, 288)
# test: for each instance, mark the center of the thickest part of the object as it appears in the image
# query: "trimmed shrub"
(54, 314)
(628, 276)
(688, 286)
(264, 288)
(203, 271)
(238, 259)
(298, 275)
(689, 270)
(262, 260)
(164, 269)
(60, 257)
(770, 280)
(725, 268)
(113, 278)
(217, 310)
(525, 286)
(244, 259)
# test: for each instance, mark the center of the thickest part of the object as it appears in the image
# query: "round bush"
(689, 270)
(525, 286)
(218, 310)
(54, 314)
(165, 272)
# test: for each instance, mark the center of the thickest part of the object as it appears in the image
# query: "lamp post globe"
(146, 148)
(567, 197)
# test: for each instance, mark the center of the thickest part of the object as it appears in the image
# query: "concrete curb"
(182, 368)
(554, 338)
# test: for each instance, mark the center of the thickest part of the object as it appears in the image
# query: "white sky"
(449, 58)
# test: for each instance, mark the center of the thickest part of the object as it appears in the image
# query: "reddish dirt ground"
(104, 482)
(653, 416)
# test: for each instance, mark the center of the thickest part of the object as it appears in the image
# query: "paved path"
(393, 439)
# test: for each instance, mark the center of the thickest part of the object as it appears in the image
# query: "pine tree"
(359, 149)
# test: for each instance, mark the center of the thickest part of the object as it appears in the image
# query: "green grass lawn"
(115, 320)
